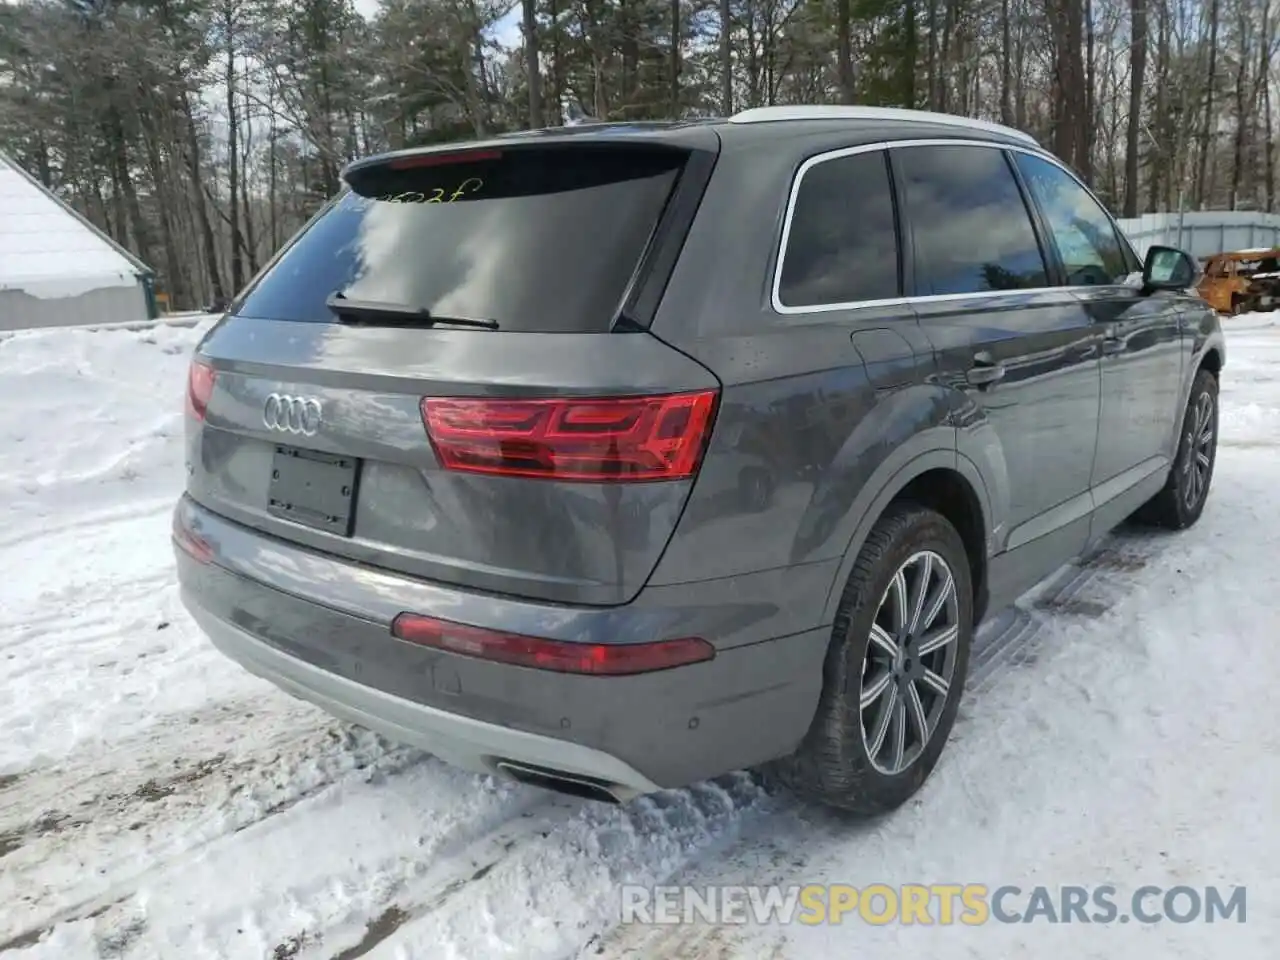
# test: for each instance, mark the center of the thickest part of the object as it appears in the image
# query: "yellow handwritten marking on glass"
(438, 194)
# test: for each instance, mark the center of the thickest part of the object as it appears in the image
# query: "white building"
(57, 268)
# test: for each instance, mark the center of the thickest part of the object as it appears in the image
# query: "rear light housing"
(191, 543)
(595, 659)
(200, 380)
(443, 159)
(588, 439)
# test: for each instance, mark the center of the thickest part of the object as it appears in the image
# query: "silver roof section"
(768, 114)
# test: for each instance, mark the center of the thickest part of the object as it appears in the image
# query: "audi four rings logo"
(299, 415)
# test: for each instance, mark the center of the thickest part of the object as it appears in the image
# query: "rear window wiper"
(399, 313)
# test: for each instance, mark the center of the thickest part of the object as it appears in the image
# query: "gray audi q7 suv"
(615, 457)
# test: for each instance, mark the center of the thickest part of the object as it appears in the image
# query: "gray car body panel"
(669, 725)
(824, 418)
(571, 543)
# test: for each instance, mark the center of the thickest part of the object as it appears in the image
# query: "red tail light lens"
(597, 659)
(614, 438)
(443, 159)
(200, 378)
(191, 543)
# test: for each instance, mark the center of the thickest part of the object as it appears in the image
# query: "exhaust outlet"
(566, 783)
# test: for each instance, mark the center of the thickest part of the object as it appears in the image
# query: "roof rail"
(833, 112)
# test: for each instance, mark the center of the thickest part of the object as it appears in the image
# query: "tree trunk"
(1137, 70)
(233, 149)
(137, 222)
(676, 42)
(932, 71)
(557, 65)
(1270, 162)
(177, 277)
(1006, 66)
(1160, 170)
(945, 55)
(533, 72)
(726, 58)
(911, 54)
(250, 238)
(1242, 119)
(1269, 167)
(201, 208)
(844, 52)
(1089, 118)
(1206, 130)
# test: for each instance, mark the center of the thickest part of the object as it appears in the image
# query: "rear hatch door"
(448, 374)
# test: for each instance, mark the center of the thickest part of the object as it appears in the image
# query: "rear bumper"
(318, 627)
(463, 741)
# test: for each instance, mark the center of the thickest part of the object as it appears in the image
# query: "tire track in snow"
(555, 887)
(435, 897)
(95, 519)
(475, 888)
(165, 796)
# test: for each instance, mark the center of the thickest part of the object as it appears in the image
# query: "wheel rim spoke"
(873, 691)
(938, 683)
(898, 747)
(881, 638)
(931, 642)
(921, 593)
(883, 722)
(909, 662)
(899, 590)
(940, 597)
(918, 716)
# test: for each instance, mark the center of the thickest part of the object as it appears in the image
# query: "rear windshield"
(542, 240)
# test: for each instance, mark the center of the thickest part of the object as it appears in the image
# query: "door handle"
(985, 371)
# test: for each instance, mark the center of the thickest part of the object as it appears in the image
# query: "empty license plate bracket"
(312, 488)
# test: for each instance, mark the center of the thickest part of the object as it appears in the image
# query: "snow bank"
(89, 418)
(156, 801)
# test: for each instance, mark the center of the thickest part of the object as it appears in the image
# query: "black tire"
(833, 763)
(1177, 506)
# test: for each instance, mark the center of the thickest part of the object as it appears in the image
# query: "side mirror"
(1168, 268)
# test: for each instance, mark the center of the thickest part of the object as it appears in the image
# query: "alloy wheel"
(910, 662)
(1198, 460)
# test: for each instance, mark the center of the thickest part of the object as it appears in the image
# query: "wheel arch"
(943, 481)
(1211, 361)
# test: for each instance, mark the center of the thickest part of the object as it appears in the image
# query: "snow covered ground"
(156, 801)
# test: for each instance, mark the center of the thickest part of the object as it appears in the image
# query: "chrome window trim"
(886, 145)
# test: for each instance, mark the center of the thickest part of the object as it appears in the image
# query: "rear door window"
(842, 245)
(970, 226)
(541, 239)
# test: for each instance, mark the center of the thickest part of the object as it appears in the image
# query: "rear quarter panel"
(831, 432)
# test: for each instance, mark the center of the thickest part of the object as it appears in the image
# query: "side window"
(843, 244)
(1084, 234)
(969, 224)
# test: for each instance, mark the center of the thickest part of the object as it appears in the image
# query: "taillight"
(191, 543)
(614, 438)
(200, 377)
(443, 159)
(598, 659)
